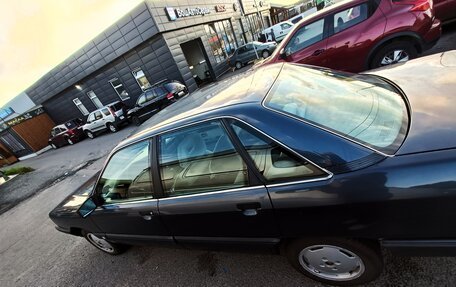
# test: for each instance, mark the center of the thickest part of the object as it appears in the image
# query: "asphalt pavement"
(33, 253)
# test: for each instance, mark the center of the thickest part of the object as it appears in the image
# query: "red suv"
(67, 133)
(361, 34)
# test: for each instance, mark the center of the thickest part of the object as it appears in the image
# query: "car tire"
(54, 146)
(238, 65)
(265, 54)
(70, 141)
(396, 52)
(103, 244)
(136, 121)
(111, 127)
(335, 261)
(90, 134)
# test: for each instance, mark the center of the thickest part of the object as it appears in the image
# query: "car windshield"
(362, 108)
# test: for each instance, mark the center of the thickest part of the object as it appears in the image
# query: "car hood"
(429, 84)
(71, 204)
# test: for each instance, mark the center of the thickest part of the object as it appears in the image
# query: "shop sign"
(220, 8)
(24, 117)
(174, 14)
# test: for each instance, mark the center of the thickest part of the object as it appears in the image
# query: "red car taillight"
(112, 111)
(169, 96)
(417, 5)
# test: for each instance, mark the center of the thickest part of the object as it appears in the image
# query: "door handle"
(249, 208)
(146, 215)
(318, 52)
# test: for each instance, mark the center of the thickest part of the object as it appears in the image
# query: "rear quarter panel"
(404, 197)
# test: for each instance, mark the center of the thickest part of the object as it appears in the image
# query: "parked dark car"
(68, 133)
(358, 35)
(110, 117)
(155, 99)
(328, 166)
(445, 10)
(250, 52)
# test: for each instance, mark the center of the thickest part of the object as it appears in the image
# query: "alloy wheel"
(100, 243)
(70, 141)
(331, 262)
(395, 56)
(112, 128)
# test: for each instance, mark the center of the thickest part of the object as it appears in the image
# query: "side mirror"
(87, 207)
(282, 54)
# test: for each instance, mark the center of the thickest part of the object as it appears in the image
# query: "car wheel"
(336, 261)
(103, 244)
(90, 134)
(111, 127)
(136, 121)
(70, 141)
(238, 65)
(265, 54)
(53, 146)
(396, 52)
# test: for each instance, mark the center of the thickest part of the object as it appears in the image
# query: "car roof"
(249, 87)
(328, 10)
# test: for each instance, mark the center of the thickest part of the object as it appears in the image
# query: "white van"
(278, 31)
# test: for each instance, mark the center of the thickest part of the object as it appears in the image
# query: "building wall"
(7, 156)
(35, 131)
(153, 57)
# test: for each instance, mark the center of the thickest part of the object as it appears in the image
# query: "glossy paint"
(353, 49)
(363, 194)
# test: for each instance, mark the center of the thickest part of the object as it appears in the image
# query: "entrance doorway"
(198, 62)
(15, 144)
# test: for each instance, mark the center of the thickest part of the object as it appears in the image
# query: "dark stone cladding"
(144, 38)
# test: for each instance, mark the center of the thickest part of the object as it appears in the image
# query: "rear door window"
(274, 162)
(350, 17)
(105, 111)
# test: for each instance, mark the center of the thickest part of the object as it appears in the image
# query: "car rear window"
(70, 124)
(171, 87)
(362, 108)
(117, 106)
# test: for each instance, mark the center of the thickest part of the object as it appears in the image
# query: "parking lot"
(35, 254)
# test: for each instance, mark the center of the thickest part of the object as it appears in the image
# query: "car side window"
(150, 96)
(249, 47)
(306, 36)
(142, 99)
(98, 115)
(274, 162)
(54, 132)
(350, 17)
(200, 158)
(91, 117)
(159, 91)
(127, 175)
(105, 112)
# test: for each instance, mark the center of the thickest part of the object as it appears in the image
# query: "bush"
(18, 170)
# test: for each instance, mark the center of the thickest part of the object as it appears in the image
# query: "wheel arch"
(402, 36)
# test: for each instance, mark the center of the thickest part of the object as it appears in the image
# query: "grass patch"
(18, 170)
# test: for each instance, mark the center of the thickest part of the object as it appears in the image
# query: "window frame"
(93, 97)
(155, 194)
(330, 18)
(115, 88)
(136, 70)
(77, 102)
(327, 24)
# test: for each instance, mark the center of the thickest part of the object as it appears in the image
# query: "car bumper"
(433, 35)
(63, 229)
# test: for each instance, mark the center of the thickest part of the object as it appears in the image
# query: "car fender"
(388, 38)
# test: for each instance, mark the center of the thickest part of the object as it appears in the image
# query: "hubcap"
(53, 146)
(265, 54)
(238, 65)
(331, 262)
(90, 135)
(100, 243)
(70, 141)
(393, 57)
(112, 128)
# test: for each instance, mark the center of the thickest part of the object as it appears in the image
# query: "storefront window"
(255, 26)
(221, 39)
(141, 79)
(119, 88)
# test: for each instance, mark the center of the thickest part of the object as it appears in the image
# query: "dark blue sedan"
(326, 166)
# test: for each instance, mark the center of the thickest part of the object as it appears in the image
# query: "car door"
(308, 44)
(130, 211)
(209, 193)
(90, 123)
(99, 122)
(151, 105)
(61, 135)
(352, 32)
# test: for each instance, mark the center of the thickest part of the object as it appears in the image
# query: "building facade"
(182, 40)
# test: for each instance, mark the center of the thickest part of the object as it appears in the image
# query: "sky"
(37, 35)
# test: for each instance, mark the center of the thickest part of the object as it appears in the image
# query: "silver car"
(251, 51)
(110, 117)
